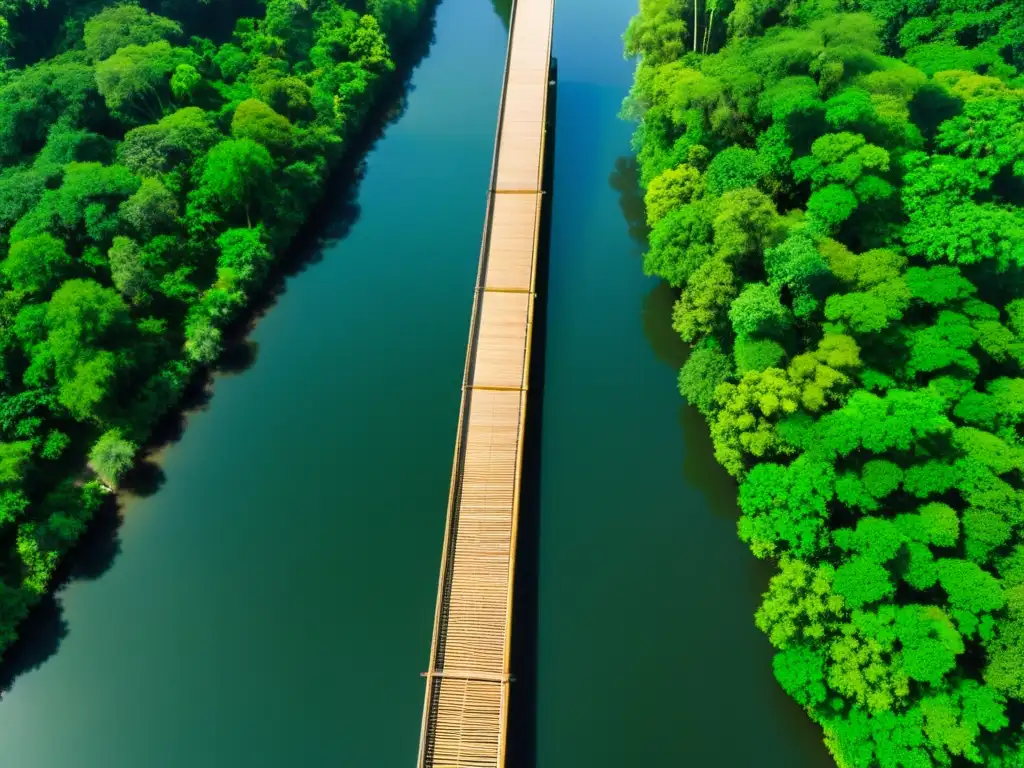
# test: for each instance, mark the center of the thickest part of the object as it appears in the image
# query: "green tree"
(236, 176)
(785, 508)
(757, 311)
(658, 32)
(954, 720)
(844, 189)
(177, 139)
(84, 322)
(126, 268)
(83, 209)
(862, 580)
(670, 190)
(1005, 669)
(244, 254)
(107, 179)
(122, 25)
(800, 606)
(756, 354)
(679, 244)
(135, 81)
(203, 342)
(152, 210)
(705, 300)
(732, 168)
(705, 369)
(797, 265)
(111, 456)
(259, 122)
(36, 264)
(800, 671)
(185, 81)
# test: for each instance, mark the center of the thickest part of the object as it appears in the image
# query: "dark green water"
(271, 602)
(647, 652)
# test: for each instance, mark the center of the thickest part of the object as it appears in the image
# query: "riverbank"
(644, 650)
(119, 405)
(307, 505)
(848, 256)
(98, 546)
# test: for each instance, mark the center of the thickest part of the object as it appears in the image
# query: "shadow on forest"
(41, 633)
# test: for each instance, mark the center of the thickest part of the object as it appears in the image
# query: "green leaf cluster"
(149, 180)
(836, 191)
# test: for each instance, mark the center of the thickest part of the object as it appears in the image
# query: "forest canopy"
(835, 188)
(149, 176)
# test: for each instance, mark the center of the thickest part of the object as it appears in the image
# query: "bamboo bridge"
(465, 710)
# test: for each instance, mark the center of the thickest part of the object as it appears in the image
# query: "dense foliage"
(835, 186)
(148, 177)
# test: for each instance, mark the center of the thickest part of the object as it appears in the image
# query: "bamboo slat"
(466, 701)
(500, 359)
(511, 257)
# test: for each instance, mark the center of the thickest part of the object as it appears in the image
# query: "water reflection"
(39, 638)
(41, 633)
(657, 319)
(504, 10)
(625, 180)
(700, 470)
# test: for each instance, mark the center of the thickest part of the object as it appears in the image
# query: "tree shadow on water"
(720, 491)
(39, 638)
(144, 479)
(504, 10)
(656, 312)
(95, 552)
(625, 180)
(42, 631)
(700, 468)
(238, 356)
(331, 220)
(328, 223)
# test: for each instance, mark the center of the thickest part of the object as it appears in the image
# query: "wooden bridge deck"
(466, 703)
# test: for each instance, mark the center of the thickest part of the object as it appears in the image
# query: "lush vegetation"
(835, 186)
(148, 177)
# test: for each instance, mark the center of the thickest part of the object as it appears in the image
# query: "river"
(647, 652)
(268, 601)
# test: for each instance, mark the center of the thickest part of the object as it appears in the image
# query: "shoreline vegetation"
(149, 179)
(835, 188)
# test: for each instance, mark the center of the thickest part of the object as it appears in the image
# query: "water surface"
(647, 654)
(272, 602)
